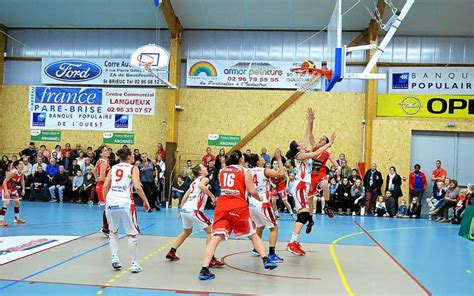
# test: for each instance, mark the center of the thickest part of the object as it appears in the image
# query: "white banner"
(95, 71)
(431, 80)
(15, 247)
(81, 121)
(243, 74)
(92, 100)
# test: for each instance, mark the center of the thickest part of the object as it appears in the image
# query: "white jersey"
(303, 170)
(197, 199)
(121, 184)
(262, 184)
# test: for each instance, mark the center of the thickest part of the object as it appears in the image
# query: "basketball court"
(392, 78)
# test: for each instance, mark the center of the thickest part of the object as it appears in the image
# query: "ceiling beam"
(174, 25)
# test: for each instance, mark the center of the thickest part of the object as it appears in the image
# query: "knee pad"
(303, 217)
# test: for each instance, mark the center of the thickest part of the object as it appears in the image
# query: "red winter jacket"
(412, 180)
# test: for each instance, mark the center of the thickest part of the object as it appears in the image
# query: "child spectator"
(414, 210)
(358, 197)
(437, 197)
(402, 210)
(380, 208)
(460, 206)
(77, 183)
(390, 203)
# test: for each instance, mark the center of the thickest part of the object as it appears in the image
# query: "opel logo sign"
(410, 105)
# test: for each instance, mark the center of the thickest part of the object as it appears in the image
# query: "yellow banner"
(440, 106)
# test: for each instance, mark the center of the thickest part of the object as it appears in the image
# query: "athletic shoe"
(301, 248)
(353, 213)
(254, 252)
(19, 221)
(309, 227)
(172, 256)
(277, 215)
(2, 223)
(329, 212)
(205, 275)
(136, 268)
(53, 200)
(216, 263)
(105, 232)
(267, 264)
(90, 202)
(294, 248)
(274, 258)
(116, 263)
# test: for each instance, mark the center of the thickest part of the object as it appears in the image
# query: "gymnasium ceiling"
(428, 17)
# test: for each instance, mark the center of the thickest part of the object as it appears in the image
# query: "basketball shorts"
(122, 212)
(301, 196)
(13, 195)
(100, 195)
(263, 215)
(198, 218)
(315, 180)
(280, 191)
(237, 220)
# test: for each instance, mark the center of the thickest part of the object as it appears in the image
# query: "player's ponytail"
(293, 150)
(15, 164)
(234, 158)
(196, 170)
(124, 153)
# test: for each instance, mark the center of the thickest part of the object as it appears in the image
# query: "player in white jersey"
(262, 211)
(119, 206)
(192, 212)
(303, 166)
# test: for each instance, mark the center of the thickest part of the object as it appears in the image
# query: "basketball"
(308, 64)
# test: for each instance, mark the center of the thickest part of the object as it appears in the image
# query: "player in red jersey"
(10, 191)
(318, 171)
(232, 212)
(102, 169)
(278, 189)
(192, 212)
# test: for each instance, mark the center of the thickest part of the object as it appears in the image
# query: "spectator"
(435, 200)
(46, 153)
(221, 153)
(160, 177)
(208, 156)
(334, 194)
(66, 162)
(77, 186)
(91, 155)
(438, 174)
(39, 163)
(67, 148)
(461, 204)
(373, 181)
(136, 155)
(58, 183)
(58, 151)
(112, 158)
(390, 204)
(52, 168)
(414, 210)
(345, 169)
(358, 196)
(89, 185)
(402, 210)
(188, 168)
(342, 157)
(264, 155)
(80, 159)
(75, 152)
(39, 183)
(449, 201)
(212, 175)
(331, 171)
(394, 184)
(54, 155)
(87, 164)
(354, 176)
(30, 151)
(178, 190)
(161, 151)
(41, 156)
(27, 170)
(147, 179)
(380, 208)
(292, 182)
(345, 196)
(72, 171)
(417, 183)
(248, 151)
(338, 176)
(4, 164)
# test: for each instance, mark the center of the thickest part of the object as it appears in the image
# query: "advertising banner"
(431, 80)
(440, 106)
(95, 71)
(92, 100)
(45, 136)
(81, 121)
(118, 138)
(243, 74)
(222, 140)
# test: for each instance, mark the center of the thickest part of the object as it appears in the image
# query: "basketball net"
(307, 78)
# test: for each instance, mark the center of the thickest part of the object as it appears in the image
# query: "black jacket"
(397, 185)
(40, 178)
(60, 179)
(377, 182)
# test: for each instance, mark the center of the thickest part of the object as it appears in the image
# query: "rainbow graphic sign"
(203, 67)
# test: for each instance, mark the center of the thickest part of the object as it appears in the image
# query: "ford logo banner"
(73, 71)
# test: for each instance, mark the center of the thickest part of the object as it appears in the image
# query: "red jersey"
(232, 181)
(14, 181)
(98, 168)
(319, 162)
(279, 183)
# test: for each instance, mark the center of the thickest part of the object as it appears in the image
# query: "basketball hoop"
(307, 77)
